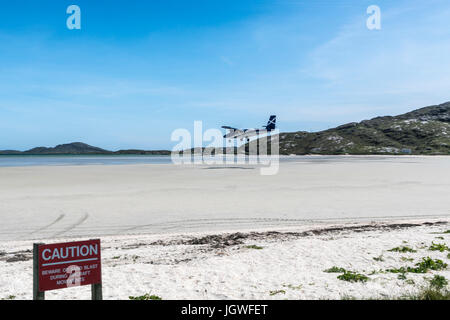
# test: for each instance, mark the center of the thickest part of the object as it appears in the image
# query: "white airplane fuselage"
(244, 134)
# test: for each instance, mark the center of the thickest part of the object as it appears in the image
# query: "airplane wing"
(229, 128)
(234, 130)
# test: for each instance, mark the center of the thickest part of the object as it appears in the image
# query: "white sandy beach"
(284, 267)
(133, 206)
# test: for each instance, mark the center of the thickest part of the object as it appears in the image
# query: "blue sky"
(137, 70)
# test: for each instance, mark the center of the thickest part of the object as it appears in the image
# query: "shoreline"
(166, 159)
(295, 226)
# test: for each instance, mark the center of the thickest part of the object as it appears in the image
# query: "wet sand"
(46, 202)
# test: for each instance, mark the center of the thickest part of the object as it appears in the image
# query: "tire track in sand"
(61, 216)
(72, 226)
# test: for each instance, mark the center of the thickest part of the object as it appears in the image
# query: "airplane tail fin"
(271, 125)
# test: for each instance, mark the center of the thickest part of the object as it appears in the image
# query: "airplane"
(247, 133)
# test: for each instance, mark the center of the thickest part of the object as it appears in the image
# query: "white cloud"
(408, 60)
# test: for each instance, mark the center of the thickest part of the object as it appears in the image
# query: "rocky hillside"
(423, 131)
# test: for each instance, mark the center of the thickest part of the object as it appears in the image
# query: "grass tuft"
(335, 270)
(438, 282)
(422, 267)
(290, 286)
(403, 249)
(432, 294)
(353, 277)
(407, 259)
(275, 292)
(146, 297)
(253, 246)
(376, 272)
(441, 247)
(430, 264)
(379, 258)
(410, 282)
(402, 276)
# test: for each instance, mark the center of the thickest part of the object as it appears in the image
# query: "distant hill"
(78, 148)
(9, 152)
(422, 131)
(144, 152)
(70, 148)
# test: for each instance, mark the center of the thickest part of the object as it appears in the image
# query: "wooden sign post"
(65, 265)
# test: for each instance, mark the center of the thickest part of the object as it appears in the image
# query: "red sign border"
(98, 271)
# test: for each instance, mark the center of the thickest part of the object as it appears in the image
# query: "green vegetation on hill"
(423, 131)
(70, 148)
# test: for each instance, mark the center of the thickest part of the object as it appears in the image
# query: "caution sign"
(70, 264)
